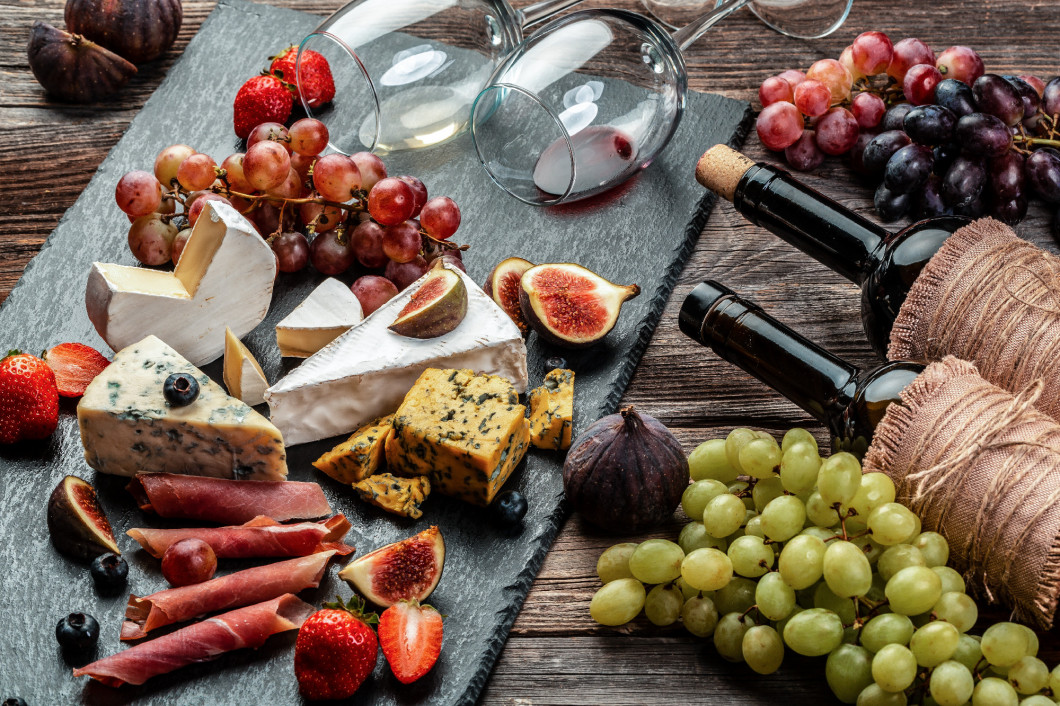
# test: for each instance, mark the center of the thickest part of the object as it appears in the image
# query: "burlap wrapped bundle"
(981, 466)
(990, 298)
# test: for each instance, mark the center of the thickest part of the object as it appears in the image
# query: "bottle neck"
(826, 231)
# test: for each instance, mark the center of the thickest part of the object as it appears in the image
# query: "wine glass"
(549, 128)
(407, 71)
(802, 19)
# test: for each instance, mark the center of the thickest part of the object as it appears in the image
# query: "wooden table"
(555, 653)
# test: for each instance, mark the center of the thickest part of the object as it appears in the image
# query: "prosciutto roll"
(200, 642)
(175, 605)
(226, 501)
(260, 537)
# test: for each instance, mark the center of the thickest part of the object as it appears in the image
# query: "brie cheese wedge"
(328, 312)
(366, 372)
(243, 376)
(224, 278)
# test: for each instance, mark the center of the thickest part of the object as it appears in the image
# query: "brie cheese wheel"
(224, 278)
(328, 312)
(127, 426)
(243, 377)
(366, 372)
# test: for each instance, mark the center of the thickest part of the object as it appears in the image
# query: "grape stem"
(1032, 142)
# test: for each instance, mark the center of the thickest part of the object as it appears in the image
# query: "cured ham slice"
(261, 583)
(260, 537)
(200, 642)
(227, 501)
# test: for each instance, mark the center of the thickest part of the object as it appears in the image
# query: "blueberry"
(555, 362)
(509, 508)
(180, 389)
(14, 701)
(77, 632)
(109, 572)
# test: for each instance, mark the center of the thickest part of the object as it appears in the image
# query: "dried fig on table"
(139, 30)
(72, 68)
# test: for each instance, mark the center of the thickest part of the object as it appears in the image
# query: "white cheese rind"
(127, 426)
(366, 372)
(234, 289)
(243, 376)
(329, 311)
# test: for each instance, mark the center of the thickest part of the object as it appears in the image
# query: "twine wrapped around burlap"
(990, 298)
(981, 466)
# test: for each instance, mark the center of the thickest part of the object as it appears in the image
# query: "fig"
(436, 308)
(76, 521)
(570, 306)
(405, 570)
(139, 30)
(502, 286)
(72, 68)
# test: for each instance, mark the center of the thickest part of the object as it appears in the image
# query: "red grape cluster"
(335, 212)
(943, 136)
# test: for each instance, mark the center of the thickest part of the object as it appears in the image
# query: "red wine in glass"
(601, 153)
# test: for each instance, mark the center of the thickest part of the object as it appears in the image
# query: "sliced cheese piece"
(359, 456)
(224, 278)
(401, 496)
(364, 373)
(127, 426)
(243, 376)
(328, 312)
(552, 411)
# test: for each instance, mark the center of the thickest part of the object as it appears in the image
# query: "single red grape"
(919, 84)
(196, 172)
(309, 137)
(846, 58)
(440, 217)
(834, 75)
(837, 131)
(1036, 83)
(151, 239)
(402, 274)
(775, 89)
(372, 169)
(291, 188)
(804, 155)
(908, 53)
(200, 203)
(401, 242)
(419, 190)
(373, 291)
(322, 218)
(336, 177)
(274, 132)
(237, 180)
(793, 77)
(301, 164)
(961, 63)
(779, 125)
(266, 217)
(178, 244)
(138, 193)
(188, 561)
(266, 165)
(812, 98)
(868, 109)
(329, 256)
(391, 201)
(292, 251)
(453, 261)
(168, 161)
(872, 52)
(367, 243)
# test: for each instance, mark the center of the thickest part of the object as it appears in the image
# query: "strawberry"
(411, 637)
(262, 99)
(75, 365)
(29, 400)
(318, 86)
(335, 651)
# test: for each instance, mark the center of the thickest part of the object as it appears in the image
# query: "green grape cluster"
(789, 551)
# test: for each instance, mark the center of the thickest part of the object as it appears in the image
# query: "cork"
(720, 169)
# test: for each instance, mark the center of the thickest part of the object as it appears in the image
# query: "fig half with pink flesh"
(76, 521)
(436, 308)
(570, 306)
(405, 570)
(502, 286)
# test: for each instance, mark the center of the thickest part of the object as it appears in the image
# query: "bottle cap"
(698, 304)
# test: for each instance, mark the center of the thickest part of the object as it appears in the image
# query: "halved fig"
(502, 286)
(571, 306)
(405, 570)
(76, 521)
(436, 308)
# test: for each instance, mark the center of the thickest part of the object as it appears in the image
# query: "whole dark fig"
(72, 68)
(626, 472)
(139, 30)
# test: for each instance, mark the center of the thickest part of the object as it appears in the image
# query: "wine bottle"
(883, 263)
(847, 400)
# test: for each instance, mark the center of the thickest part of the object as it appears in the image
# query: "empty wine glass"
(407, 71)
(550, 128)
(802, 19)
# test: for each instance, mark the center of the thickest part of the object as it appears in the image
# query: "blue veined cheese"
(127, 426)
(400, 496)
(365, 373)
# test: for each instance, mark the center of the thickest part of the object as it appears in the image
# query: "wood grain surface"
(555, 653)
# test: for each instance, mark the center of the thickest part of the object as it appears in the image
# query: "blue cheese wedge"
(127, 427)
(328, 312)
(400, 496)
(365, 373)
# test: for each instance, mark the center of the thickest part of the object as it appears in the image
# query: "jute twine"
(981, 466)
(991, 298)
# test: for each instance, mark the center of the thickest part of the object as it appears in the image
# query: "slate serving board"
(641, 232)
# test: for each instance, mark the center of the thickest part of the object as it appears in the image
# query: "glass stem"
(543, 9)
(688, 34)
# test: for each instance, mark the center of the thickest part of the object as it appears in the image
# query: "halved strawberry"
(75, 365)
(411, 637)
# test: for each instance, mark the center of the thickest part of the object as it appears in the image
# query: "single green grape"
(968, 651)
(898, 557)
(751, 556)
(662, 605)
(696, 496)
(753, 527)
(892, 523)
(875, 489)
(992, 691)
(846, 570)
(873, 695)
(760, 458)
(934, 643)
(614, 562)
(819, 512)
(958, 609)
(706, 569)
(799, 466)
(894, 668)
(1037, 700)
(734, 443)
(618, 602)
(886, 629)
(728, 635)
(1054, 680)
(774, 597)
(813, 632)
(823, 597)
(913, 590)
(951, 578)
(783, 518)
(694, 536)
(699, 616)
(708, 461)
(934, 548)
(839, 478)
(742, 489)
(1029, 675)
(762, 648)
(797, 435)
(848, 670)
(724, 515)
(1004, 644)
(801, 561)
(737, 597)
(951, 684)
(656, 561)
(686, 590)
(765, 490)
(1032, 641)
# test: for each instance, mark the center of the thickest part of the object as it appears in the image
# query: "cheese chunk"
(364, 373)
(552, 411)
(466, 432)
(224, 279)
(328, 312)
(127, 426)
(401, 496)
(243, 377)
(359, 456)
